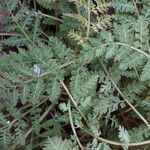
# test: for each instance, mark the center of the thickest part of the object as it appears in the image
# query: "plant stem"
(62, 66)
(126, 100)
(73, 101)
(8, 34)
(24, 114)
(136, 8)
(18, 25)
(89, 20)
(49, 16)
(114, 142)
(41, 118)
(132, 47)
(77, 6)
(30, 130)
(73, 128)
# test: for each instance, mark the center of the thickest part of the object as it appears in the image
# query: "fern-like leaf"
(124, 136)
(146, 72)
(133, 61)
(54, 89)
(123, 6)
(37, 90)
(56, 143)
(5, 138)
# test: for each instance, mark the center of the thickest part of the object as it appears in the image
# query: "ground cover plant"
(74, 74)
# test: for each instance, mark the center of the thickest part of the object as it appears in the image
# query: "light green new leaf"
(124, 136)
(63, 107)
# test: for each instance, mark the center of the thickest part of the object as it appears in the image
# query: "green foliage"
(54, 89)
(140, 133)
(124, 136)
(124, 6)
(48, 4)
(97, 146)
(5, 138)
(145, 73)
(94, 53)
(56, 143)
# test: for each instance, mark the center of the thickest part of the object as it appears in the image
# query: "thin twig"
(136, 8)
(21, 109)
(147, 14)
(30, 130)
(19, 25)
(24, 114)
(77, 6)
(49, 16)
(126, 100)
(46, 35)
(34, 4)
(129, 109)
(89, 19)
(132, 47)
(41, 118)
(73, 128)
(114, 142)
(8, 34)
(73, 101)
(69, 94)
(103, 139)
(62, 66)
